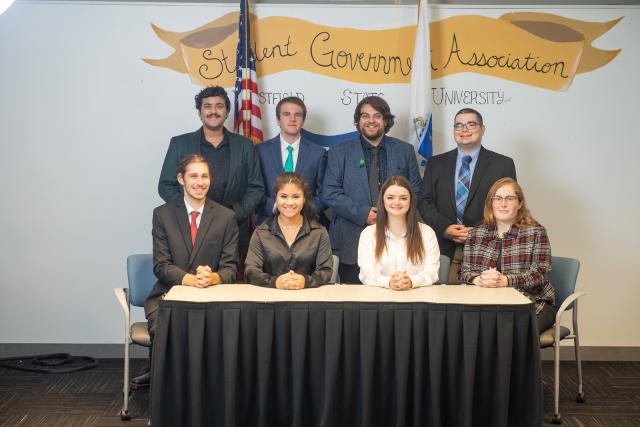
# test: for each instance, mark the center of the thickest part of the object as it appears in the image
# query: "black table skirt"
(345, 364)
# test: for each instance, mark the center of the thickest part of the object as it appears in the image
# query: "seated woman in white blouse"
(398, 252)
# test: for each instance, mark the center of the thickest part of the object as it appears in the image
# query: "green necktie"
(288, 164)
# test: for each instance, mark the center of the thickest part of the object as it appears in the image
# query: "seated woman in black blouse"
(291, 250)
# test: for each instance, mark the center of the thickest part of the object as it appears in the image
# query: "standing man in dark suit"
(455, 185)
(236, 181)
(289, 152)
(356, 169)
(195, 242)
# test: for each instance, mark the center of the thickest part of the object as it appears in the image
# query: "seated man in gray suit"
(355, 171)
(455, 185)
(290, 152)
(236, 181)
(195, 242)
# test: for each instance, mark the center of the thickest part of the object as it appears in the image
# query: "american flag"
(247, 119)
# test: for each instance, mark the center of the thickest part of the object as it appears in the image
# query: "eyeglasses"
(288, 114)
(367, 116)
(468, 125)
(500, 199)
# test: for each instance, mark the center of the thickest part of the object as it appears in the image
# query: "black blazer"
(245, 187)
(437, 202)
(174, 255)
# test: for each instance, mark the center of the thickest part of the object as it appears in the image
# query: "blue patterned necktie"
(288, 164)
(462, 189)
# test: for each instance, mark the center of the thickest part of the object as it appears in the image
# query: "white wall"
(85, 125)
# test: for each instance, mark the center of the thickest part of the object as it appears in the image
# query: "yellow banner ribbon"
(537, 49)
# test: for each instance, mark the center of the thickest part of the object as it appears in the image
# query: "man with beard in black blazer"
(455, 185)
(195, 242)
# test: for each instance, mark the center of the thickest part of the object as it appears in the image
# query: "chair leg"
(556, 384)
(576, 348)
(580, 398)
(124, 412)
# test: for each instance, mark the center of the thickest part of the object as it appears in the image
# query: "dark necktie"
(462, 187)
(374, 179)
(194, 226)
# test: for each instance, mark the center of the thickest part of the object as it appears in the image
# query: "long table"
(346, 355)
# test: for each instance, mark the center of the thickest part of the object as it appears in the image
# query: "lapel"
(205, 223)
(450, 176)
(392, 160)
(274, 152)
(303, 155)
(193, 141)
(355, 155)
(235, 159)
(478, 173)
(180, 214)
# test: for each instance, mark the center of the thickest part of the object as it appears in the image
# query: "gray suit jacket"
(346, 190)
(174, 255)
(437, 203)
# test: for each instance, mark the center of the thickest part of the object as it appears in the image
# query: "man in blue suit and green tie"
(356, 169)
(290, 152)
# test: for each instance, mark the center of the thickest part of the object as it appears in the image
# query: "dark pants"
(546, 318)
(349, 274)
(456, 263)
(151, 307)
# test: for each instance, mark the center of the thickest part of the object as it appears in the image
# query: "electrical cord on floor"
(49, 363)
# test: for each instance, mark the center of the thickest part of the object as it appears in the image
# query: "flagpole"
(247, 94)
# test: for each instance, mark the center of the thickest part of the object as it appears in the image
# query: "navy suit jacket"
(437, 204)
(311, 163)
(346, 190)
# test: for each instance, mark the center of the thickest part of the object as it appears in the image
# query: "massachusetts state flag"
(247, 119)
(420, 128)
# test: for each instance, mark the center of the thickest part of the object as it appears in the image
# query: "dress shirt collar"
(274, 227)
(474, 154)
(284, 144)
(369, 146)
(190, 209)
(204, 142)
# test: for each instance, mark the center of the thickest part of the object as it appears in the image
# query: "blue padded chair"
(563, 276)
(443, 273)
(141, 280)
(335, 278)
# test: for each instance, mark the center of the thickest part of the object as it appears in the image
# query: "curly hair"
(213, 91)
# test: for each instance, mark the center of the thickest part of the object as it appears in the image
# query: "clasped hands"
(400, 281)
(203, 278)
(290, 280)
(491, 278)
(457, 232)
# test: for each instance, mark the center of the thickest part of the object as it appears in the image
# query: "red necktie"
(194, 226)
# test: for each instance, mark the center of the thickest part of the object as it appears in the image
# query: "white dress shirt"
(394, 258)
(285, 153)
(190, 209)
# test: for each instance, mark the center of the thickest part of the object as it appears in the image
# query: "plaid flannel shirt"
(526, 259)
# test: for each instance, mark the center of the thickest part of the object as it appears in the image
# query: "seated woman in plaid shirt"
(511, 249)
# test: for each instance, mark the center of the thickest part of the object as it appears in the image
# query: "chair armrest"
(567, 302)
(123, 299)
